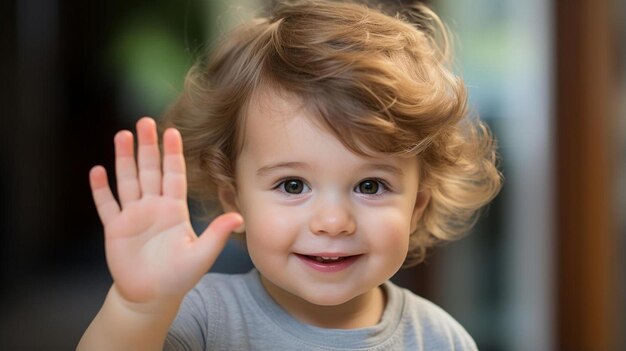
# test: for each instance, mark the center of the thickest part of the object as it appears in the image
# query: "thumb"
(212, 241)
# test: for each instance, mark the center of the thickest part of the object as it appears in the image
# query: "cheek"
(388, 233)
(269, 227)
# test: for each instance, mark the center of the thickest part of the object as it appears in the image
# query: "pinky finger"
(106, 205)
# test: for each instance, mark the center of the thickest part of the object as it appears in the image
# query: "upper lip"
(327, 254)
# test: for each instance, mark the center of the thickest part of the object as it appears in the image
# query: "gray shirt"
(234, 312)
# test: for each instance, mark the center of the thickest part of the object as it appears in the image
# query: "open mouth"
(328, 263)
(324, 259)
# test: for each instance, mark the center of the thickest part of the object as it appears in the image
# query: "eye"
(293, 186)
(370, 187)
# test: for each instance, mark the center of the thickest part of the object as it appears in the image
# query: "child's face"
(304, 195)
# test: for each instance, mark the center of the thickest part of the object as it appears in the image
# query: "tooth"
(326, 259)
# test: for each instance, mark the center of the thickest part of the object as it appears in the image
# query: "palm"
(147, 249)
(152, 250)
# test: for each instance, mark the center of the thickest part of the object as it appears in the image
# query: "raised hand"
(152, 251)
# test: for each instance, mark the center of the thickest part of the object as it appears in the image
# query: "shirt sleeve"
(445, 333)
(191, 328)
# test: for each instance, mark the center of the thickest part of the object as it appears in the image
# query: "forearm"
(120, 325)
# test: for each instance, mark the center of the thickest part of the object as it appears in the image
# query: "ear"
(230, 203)
(423, 198)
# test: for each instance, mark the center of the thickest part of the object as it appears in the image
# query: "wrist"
(161, 306)
(127, 325)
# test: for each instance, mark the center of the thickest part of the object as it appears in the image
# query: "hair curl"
(381, 82)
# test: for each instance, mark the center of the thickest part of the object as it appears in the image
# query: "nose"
(332, 217)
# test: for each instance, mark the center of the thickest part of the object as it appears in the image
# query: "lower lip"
(328, 267)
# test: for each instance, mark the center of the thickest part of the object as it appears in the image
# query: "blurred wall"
(499, 280)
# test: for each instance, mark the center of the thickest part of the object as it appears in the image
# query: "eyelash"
(280, 186)
(382, 186)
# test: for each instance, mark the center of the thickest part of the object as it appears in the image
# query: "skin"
(330, 211)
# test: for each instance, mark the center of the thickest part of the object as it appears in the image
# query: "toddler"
(337, 141)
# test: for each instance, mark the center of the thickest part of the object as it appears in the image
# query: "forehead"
(279, 129)
(274, 105)
(272, 118)
(270, 107)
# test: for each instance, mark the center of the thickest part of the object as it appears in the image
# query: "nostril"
(332, 216)
(333, 227)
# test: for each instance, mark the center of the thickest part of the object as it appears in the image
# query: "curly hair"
(381, 82)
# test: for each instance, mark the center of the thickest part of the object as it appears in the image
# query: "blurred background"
(543, 270)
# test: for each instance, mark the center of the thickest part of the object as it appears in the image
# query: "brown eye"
(368, 187)
(293, 186)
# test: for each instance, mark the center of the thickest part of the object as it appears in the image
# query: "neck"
(362, 311)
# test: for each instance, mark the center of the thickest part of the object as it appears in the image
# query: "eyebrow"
(384, 167)
(368, 167)
(275, 166)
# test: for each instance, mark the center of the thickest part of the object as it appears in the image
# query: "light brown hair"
(382, 83)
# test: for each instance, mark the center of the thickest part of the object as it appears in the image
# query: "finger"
(149, 157)
(174, 174)
(125, 168)
(212, 241)
(106, 205)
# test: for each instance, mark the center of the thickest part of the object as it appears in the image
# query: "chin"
(324, 298)
(327, 300)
